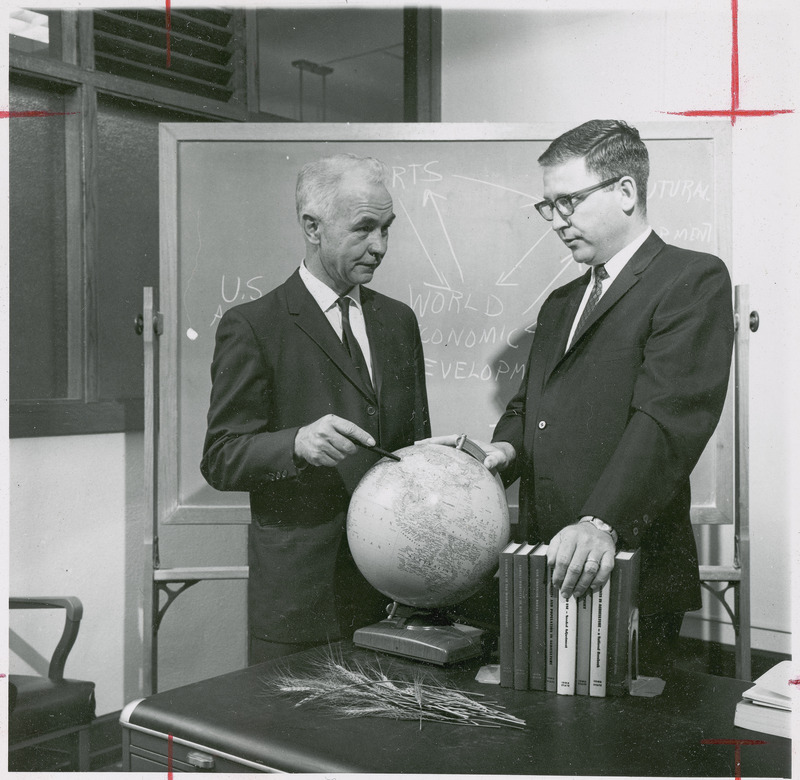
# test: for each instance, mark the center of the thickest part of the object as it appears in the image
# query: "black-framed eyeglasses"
(565, 204)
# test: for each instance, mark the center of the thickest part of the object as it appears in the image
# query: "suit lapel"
(626, 279)
(310, 319)
(563, 326)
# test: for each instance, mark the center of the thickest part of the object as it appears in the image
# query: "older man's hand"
(582, 556)
(329, 440)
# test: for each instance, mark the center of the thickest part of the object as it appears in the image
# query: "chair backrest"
(74, 613)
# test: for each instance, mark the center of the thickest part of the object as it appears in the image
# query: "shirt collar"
(324, 296)
(620, 260)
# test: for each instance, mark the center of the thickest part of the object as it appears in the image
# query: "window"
(331, 65)
(84, 173)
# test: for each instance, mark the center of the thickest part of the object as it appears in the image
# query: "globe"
(427, 530)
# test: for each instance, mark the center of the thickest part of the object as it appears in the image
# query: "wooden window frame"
(73, 73)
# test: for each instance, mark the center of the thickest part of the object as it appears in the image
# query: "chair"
(46, 709)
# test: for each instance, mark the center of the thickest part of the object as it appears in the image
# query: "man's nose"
(560, 221)
(378, 243)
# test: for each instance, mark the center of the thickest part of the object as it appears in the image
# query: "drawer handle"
(200, 760)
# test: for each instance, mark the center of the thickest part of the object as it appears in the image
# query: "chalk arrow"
(502, 280)
(552, 281)
(430, 197)
(442, 281)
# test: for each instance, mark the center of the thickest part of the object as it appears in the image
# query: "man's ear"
(311, 228)
(627, 187)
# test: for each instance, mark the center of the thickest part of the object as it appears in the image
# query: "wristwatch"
(600, 525)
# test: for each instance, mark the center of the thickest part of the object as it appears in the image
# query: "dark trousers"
(658, 643)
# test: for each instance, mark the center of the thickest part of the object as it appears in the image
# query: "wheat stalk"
(359, 689)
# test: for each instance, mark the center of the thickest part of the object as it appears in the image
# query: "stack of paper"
(767, 706)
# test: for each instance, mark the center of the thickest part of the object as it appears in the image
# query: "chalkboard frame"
(719, 510)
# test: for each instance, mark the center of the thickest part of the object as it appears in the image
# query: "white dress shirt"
(613, 268)
(326, 299)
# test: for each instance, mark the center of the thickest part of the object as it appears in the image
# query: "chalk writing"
(685, 189)
(413, 173)
(231, 291)
(472, 337)
(464, 369)
(255, 292)
(702, 234)
(436, 301)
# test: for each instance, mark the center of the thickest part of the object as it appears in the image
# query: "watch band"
(601, 526)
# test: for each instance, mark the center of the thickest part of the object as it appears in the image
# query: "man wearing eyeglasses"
(624, 386)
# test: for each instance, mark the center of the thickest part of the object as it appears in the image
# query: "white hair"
(318, 182)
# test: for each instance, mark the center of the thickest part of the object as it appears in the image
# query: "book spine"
(521, 618)
(599, 641)
(622, 628)
(583, 652)
(506, 638)
(538, 620)
(567, 645)
(551, 651)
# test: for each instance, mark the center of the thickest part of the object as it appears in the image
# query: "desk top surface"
(665, 736)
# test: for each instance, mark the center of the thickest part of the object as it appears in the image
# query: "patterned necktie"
(351, 343)
(600, 274)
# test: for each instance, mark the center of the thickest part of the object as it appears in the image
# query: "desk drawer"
(149, 752)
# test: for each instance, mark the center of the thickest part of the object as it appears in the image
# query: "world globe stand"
(426, 528)
(421, 634)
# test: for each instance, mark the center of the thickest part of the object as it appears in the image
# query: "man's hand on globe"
(329, 440)
(582, 557)
(499, 455)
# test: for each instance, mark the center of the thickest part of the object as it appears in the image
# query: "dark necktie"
(351, 343)
(600, 274)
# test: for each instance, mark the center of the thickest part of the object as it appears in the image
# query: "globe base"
(423, 635)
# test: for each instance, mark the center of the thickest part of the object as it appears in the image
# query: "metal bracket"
(158, 324)
(719, 594)
(163, 587)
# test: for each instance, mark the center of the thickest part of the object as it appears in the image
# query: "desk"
(229, 724)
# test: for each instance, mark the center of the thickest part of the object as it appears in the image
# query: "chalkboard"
(467, 252)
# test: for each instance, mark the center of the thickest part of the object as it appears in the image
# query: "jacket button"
(371, 410)
(542, 424)
(635, 531)
(646, 518)
(284, 473)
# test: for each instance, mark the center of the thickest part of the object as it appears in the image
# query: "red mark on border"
(737, 750)
(169, 756)
(734, 110)
(26, 114)
(169, 30)
(795, 682)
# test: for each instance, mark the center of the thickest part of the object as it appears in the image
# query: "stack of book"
(585, 646)
(767, 706)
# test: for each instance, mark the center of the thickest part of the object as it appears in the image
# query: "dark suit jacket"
(613, 426)
(278, 365)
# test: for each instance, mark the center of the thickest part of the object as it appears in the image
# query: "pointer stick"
(378, 450)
